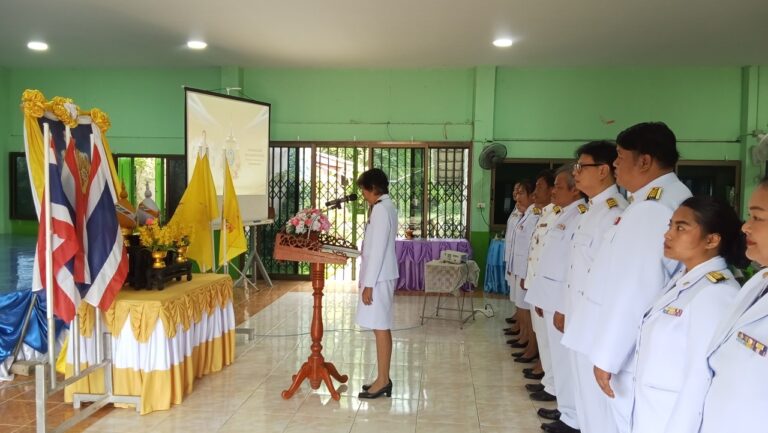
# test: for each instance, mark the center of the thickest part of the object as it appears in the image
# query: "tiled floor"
(445, 379)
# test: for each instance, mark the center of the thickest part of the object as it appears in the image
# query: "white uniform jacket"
(738, 360)
(509, 236)
(547, 289)
(378, 259)
(522, 241)
(548, 216)
(631, 270)
(592, 227)
(674, 339)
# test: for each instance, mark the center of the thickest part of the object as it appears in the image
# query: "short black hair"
(717, 216)
(651, 138)
(374, 180)
(527, 185)
(601, 151)
(763, 182)
(548, 176)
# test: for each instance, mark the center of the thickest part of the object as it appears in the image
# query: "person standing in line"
(521, 200)
(730, 395)
(547, 293)
(378, 276)
(631, 269)
(593, 173)
(705, 236)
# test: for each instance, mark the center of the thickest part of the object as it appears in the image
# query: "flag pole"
(49, 255)
(74, 330)
(223, 239)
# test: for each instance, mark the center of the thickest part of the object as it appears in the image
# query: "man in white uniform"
(593, 173)
(631, 270)
(547, 292)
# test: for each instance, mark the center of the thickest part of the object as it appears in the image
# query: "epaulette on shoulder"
(582, 208)
(557, 209)
(536, 211)
(611, 202)
(654, 193)
(716, 277)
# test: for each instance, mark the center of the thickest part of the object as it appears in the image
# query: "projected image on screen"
(232, 131)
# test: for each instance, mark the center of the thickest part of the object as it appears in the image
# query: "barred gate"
(429, 184)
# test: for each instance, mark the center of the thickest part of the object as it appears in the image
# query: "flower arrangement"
(154, 237)
(179, 234)
(307, 220)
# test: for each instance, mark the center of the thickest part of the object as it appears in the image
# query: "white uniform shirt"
(378, 258)
(630, 270)
(547, 289)
(592, 228)
(738, 360)
(548, 216)
(674, 339)
(522, 241)
(512, 221)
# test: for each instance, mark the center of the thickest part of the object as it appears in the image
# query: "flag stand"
(46, 382)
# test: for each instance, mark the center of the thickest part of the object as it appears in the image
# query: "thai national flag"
(106, 259)
(64, 246)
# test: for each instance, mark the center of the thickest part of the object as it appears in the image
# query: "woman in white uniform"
(378, 276)
(705, 237)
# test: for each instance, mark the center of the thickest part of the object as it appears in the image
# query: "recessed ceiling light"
(37, 46)
(503, 42)
(197, 45)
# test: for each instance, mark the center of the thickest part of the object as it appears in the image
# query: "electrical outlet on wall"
(481, 205)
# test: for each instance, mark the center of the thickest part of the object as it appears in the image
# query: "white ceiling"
(384, 33)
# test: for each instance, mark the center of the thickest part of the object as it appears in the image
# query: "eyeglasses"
(578, 166)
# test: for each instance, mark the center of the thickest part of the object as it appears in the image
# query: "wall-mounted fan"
(759, 151)
(491, 155)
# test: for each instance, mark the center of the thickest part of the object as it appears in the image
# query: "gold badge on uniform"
(611, 202)
(536, 211)
(557, 209)
(654, 193)
(716, 277)
(673, 311)
(752, 344)
(582, 208)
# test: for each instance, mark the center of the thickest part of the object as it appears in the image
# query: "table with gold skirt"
(161, 340)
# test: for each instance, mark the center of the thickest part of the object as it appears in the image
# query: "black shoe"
(527, 360)
(507, 329)
(517, 344)
(534, 376)
(542, 396)
(559, 427)
(510, 320)
(366, 387)
(517, 354)
(550, 414)
(526, 370)
(512, 333)
(534, 387)
(387, 390)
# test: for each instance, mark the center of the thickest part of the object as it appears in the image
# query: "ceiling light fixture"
(502, 42)
(196, 45)
(37, 46)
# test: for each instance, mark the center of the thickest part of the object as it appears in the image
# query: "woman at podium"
(378, 276)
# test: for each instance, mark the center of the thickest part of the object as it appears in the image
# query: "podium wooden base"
(316, 369)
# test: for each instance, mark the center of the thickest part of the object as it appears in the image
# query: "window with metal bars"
(428, 183)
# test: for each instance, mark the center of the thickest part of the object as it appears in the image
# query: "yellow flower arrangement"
(156, 238)
(180, 234)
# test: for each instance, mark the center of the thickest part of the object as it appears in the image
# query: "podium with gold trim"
(317, 250)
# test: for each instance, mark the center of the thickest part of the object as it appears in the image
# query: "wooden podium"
(300, 248)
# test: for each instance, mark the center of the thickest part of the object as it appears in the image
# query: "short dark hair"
(374, 180)
(651, 138)
(601, 151)
(548, 177)
(716, 216)
(763, 182)
(526, 185)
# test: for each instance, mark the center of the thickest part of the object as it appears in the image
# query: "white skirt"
(520, 295)
(380, 314)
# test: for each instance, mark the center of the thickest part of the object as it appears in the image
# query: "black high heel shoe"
(387, 390)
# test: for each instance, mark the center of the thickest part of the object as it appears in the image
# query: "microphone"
(339, 201)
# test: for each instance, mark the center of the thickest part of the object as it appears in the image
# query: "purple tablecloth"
(412, 255)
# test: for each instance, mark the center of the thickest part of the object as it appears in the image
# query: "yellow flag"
(233, 243)
(197, 209)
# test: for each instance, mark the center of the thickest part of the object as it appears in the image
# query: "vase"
(159, 259)
(182, 257)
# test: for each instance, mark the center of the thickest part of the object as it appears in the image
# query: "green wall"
(536, 112)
